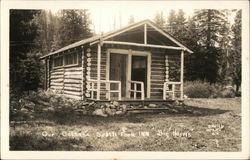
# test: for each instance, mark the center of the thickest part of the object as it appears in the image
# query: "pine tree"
(74, 25)
(47, 24)
(171, 22)
(208, 23)
(23, 69)
(235, 58)
(181, 28)
(131, 19)
(160, 20)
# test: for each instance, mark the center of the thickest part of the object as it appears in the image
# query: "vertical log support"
(98, 71)
(182, 73)
(145, 33)
(129, 75)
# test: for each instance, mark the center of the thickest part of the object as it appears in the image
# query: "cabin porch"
(171, 91)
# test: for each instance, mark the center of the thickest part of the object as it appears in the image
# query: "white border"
(6, 154)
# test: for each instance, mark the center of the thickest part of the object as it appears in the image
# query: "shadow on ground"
(130, 117)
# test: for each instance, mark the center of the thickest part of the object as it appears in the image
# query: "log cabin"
(138, 62)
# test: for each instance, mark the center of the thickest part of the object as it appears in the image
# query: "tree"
(23, 32)
(235, 58)
(74, 25)
(225, 44)
(160, 20)
(171, 22)
(131, 19)
(47, 27)
(208, 23)
(180, 31)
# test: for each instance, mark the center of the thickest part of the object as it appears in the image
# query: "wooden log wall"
(68, 80)
(174, 67)
(93, 68)
(158, 74)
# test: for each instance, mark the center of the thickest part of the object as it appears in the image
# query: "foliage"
(131, 19)
(74, 25)
(34, 33)
(171, 22)
(47, 28)
(24, 63)
(235, 58)
(198, 89)
(160, 20)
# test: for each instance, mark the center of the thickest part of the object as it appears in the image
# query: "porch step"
(140, 102)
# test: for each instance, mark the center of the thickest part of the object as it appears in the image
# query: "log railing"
(93, 88)
(170, 90)
(136, 89)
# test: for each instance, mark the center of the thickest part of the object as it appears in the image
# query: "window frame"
(64, 60)
(73, 64)
(54, 59)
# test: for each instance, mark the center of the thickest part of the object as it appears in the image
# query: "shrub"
(198, 89)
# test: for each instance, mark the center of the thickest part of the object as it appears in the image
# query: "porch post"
(182, 72)
(98, 71)
(129, 75)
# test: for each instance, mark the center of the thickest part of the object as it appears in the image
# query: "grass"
(208, 125)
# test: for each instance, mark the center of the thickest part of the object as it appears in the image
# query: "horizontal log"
(160, 90)
(158, 61)
(56, 87)
(156, 77)
(59, 80)
(57, 69)
(158, 65)
(73, 73)
(72, 81)
(74, 69)
(72, 93)
(56, 83)
(56, 73)
(157, 86)
(73, 89)
(74, 76)
(56, 77)
(159, 58)
(158, 71)
(73, 85)
(73, 96)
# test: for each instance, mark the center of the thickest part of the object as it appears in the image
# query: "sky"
(104, 15)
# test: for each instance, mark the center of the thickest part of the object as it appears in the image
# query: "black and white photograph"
(125, 76)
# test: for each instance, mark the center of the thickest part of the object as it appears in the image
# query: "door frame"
(130, 53)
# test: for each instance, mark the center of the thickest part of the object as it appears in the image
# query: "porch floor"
(139, 101)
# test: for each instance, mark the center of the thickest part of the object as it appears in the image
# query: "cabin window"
(58, 61)
(71, 59)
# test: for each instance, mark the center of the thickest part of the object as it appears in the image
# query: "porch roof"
(97, 38)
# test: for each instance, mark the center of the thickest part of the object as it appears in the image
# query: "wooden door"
(118, 67)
